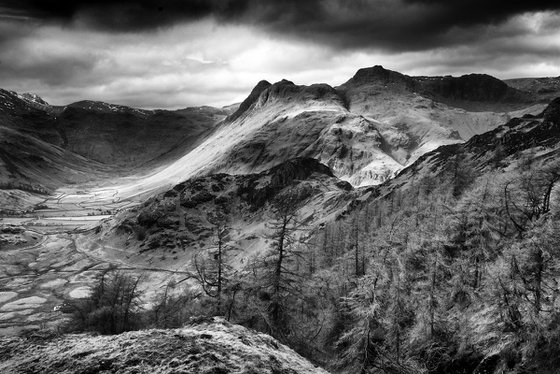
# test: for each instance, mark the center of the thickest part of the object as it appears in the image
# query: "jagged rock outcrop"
(299, 168)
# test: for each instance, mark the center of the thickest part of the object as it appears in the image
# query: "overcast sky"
(179, 53)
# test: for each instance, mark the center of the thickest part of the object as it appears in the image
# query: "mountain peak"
(282, 88)
(378, 75)
(253, 96)
(286, 91)
(12, 101)
(33, 98)
(284, 82)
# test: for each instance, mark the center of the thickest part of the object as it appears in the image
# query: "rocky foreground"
(210, 346)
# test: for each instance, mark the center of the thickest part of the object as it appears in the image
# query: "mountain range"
(365, 130)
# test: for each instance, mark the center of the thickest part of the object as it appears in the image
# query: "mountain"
(374, 124)
(204, 346)
(129, 137)
(418, 114)
(545, 89)
(44, 147)
(36, 101)
(474, 92)
(365, 130)
(30, 159)
(314, 121)
(180, 219)
(250, 100)
(535, 138)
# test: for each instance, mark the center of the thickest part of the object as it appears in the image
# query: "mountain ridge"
(447, 89)
(365, 132)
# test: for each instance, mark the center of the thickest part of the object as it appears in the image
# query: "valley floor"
(53, 260)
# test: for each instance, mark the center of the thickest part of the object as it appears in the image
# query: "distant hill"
(44, 147)
(545, 89)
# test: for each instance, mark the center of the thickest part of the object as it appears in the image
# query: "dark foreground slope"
(210, 346)
(184, 217)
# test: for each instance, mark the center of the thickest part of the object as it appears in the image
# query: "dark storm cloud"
(122, 15)
(444, 14)
(176, 53)
(397, 25)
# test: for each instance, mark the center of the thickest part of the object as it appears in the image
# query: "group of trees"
(432, 278)
(112, 306)
(450, 276)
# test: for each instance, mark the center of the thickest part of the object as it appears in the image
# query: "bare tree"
(212, 270)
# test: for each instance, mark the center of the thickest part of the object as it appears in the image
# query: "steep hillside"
(530, 138)
(207, 347)
(44, 147)
(183, 220)
(29, 163)
(31, 158)
(131, 137)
